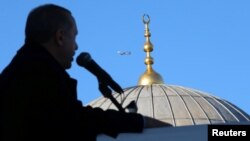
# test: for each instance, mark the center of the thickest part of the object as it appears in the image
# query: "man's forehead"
(75, 30)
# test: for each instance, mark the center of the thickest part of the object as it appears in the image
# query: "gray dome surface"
(177, 105)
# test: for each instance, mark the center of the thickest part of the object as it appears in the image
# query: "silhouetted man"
(38, 97)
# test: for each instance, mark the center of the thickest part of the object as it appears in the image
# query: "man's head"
(53, 27)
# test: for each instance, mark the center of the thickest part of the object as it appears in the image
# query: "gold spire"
(150, 76)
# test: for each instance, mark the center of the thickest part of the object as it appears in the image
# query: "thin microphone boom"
(85, 60)
(104, 79)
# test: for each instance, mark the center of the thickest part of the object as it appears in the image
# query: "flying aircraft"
(124, 52)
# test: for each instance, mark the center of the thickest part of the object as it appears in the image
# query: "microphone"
(85, 60)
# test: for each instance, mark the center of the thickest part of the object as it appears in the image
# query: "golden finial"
(150, 76)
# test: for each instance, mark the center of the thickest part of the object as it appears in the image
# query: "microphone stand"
(108, 94)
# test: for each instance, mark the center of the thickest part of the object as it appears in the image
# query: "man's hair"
(44, 21)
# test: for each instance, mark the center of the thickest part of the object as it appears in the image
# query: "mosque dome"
(175, 105)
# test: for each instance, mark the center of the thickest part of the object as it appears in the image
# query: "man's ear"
(59, 37)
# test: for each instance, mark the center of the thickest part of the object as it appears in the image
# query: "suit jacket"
(39, 102)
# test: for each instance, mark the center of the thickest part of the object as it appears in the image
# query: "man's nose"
(76, 46)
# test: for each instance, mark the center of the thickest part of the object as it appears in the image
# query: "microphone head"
(83, 59)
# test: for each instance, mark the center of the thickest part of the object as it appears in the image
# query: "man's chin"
(68, 66)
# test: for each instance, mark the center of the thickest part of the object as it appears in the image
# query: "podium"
(236, 131)
(183, 133)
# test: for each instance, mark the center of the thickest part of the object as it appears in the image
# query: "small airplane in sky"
(124, 52)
